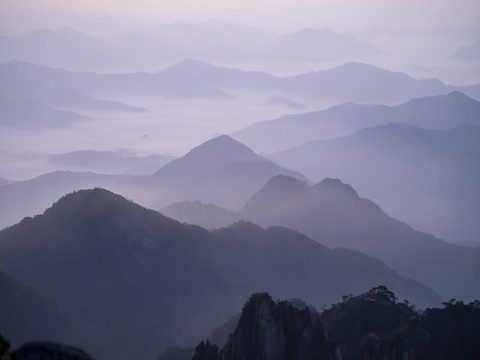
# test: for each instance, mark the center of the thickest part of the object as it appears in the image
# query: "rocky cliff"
(269, 330)
(371, 326)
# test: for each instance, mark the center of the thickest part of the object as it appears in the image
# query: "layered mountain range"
(193, 79)
(333, 214)
(442, 112)
(133, 274)
(215, 40)
(221, 171)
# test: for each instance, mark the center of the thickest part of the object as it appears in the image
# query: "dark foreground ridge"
(367, 327)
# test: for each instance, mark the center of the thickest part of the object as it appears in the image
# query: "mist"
(152, 153)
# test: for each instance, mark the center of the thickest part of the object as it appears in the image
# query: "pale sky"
(341, 15)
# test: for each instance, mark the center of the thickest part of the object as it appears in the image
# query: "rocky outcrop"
(371, 326)
(269, 330)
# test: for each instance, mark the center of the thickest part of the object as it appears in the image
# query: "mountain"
(79, 90)
(66, 48)
(190, 71)
(202, 35)
(363, 83)
(286, 103)
(221, 171)
(28, 114)
(134, 274)
(332, 213)
(319, 44)
(468, 53)
(22, 81)
(369, 326)
(191, 79)
(26, 314)
(443, 112)
(424, 177)
(205, 215)
(29, 197)
(109, 162)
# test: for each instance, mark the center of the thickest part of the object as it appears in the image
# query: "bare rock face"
(274, 331)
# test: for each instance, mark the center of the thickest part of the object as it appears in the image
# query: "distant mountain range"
(30, 197)
(109, 162)
(468, 53)
(424, 177)
(193, 79)
(221, 171)
(28, 114)
(333, 214)
(131, 273)
(214, 40)
(442, 112)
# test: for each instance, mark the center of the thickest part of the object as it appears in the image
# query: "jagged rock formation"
(273, 331)
(371, 326)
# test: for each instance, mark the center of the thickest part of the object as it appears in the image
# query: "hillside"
(442, 112)
(101, 258)
(423, 177)
(332, 213)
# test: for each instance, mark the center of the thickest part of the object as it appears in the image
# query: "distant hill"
(332, 213)
(363, 83)
(424, 177)
(468, 53)
(28, 115)
(66, 48)
(319, 44)
(221, 171)
(19, 199)
(443, 112)
(205, 215)
(215, 40)
(135, 274)
(109, 162)
(192, 79)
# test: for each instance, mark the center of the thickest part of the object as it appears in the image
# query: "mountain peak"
(91, 202)
(222, 148)
(329, 183)
(283, 180)
(190, 65)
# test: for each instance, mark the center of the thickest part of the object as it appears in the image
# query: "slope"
(424, 177)
(148, 281)
(333, 213)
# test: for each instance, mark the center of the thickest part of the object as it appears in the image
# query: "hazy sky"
(342, 15)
